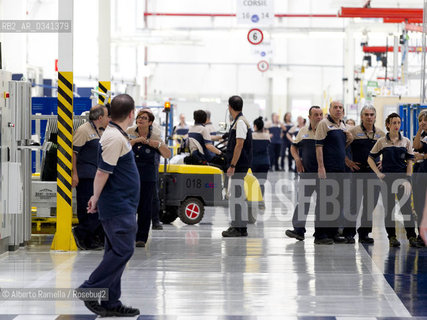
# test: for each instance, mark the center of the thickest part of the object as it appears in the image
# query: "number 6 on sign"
(255, 36)
(263, 66)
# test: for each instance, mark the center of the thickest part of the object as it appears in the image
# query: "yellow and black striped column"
(63, 239)
(103, 86)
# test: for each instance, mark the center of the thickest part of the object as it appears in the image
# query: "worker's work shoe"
(121, 311)
(326, 241)
(235, 232)
(366, 239)
(294, 234)
(140, 244)
(157, 226)
(79, 243)
(393, 242)
(349, 240)
(421, 241)
(339, 239)
(96, 308)
(413, 242)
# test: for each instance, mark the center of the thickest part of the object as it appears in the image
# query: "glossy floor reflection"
(190, 272)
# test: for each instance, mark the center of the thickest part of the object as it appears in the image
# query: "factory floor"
(191, 272)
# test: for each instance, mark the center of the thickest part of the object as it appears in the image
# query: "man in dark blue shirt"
(88, 234)
(365, 136)
(306, 166)
(115, 197)
(275, 129)
(332, 139)
(239, 160)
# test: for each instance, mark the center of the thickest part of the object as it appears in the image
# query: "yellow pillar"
(63, 239)
(103, 86)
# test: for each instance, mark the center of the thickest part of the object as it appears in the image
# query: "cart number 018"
(193, 183)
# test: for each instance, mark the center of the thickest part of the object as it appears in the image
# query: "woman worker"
(420, 169)
(397, 159)
(147, 147)
(260, 155)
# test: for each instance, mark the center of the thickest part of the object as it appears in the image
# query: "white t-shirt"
(241, 130)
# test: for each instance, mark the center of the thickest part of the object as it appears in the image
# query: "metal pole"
(63, 239)
(104, 49)
(146, 56)
(166, 133)
(386, 58)
(349, 58)
(423, 60)
(395, 59)
(164, 181)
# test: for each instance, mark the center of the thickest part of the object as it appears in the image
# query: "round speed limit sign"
(263, 66)
(255, 36)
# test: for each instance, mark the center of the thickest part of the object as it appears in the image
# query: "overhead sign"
(255, 36)
(372, 89)
(263, 66)
(263, 51)
(259, 12)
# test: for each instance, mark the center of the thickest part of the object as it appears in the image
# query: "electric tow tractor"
(185, 191)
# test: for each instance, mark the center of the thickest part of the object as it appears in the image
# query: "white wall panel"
(194, 58)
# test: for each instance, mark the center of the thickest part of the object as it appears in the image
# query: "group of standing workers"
(118, 180)
(281, 137)
(147, 146)
(321, 154)
(118, 195)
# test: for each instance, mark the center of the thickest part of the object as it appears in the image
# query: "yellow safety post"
(63, 239)
(103, 86)
(252, 188)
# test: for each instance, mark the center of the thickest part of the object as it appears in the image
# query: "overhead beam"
(382, 49)
(391, 15)
(283, 15)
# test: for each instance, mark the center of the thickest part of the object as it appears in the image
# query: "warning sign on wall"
(255, 12)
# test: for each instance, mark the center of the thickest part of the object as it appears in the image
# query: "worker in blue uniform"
(147, 146)
(332, 138)
(292, 133)
(200, 143)
(182, 128)
(88, 234)
(365, 136)
(304, 152)
(275, 129)
(260, 156)
(215, 136)
(420, 168)
(423, 224)
(286, 144)
(397, 159)
(115, 197)
(239, 160)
